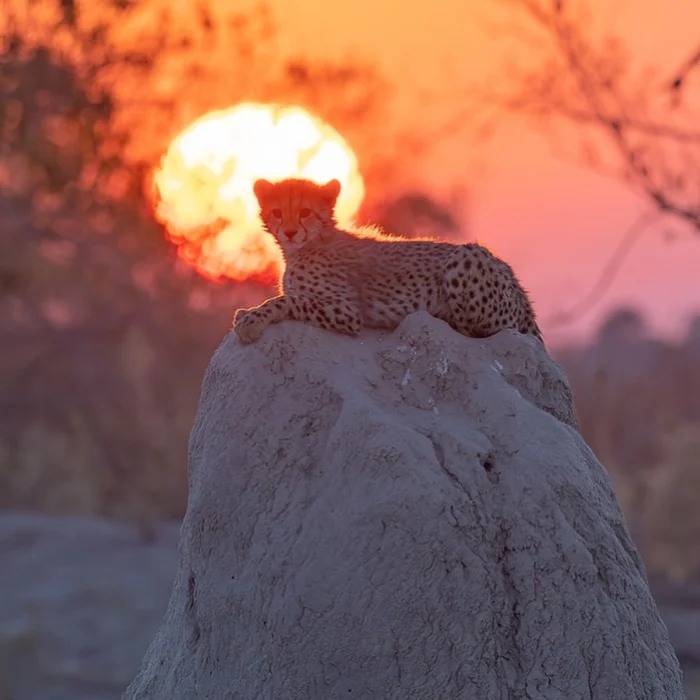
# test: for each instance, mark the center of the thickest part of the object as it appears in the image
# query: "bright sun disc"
(203, 186)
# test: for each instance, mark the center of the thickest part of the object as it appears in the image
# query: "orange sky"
(554, 221)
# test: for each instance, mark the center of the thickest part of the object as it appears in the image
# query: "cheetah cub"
(345, 281)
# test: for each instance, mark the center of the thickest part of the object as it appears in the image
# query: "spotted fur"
(345, 281)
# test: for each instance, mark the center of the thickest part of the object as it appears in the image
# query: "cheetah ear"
(330, 191)
(262, 189)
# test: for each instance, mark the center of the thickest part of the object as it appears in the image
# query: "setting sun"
(203, 186)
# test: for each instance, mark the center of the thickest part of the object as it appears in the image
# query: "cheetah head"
(296, 211)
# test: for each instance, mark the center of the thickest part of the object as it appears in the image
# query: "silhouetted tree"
(632, 123)
(415, 215)
(623, 325)
(105, 333)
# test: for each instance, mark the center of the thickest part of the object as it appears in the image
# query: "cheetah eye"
(277, 213)
(304, 212)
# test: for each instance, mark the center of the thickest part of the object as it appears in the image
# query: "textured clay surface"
(401, 515)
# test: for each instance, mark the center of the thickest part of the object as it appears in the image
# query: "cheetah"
(345, 281)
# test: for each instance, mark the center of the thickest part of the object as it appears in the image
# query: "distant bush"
(638, 399)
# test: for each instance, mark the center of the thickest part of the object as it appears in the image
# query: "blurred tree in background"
(105, 332)
(638, 402)
(632, 122)
(636, 394)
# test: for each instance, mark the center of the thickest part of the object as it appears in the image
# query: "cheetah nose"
(290, 234)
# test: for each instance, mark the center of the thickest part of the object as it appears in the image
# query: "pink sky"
(554, 221)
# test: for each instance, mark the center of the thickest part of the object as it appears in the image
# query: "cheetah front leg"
(331, 302)
(330, 312)
(249, 324)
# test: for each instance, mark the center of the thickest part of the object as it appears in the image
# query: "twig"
(564, 35)
(610, 270)
(678, 82)
(662, 131)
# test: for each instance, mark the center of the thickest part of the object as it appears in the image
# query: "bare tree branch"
(609, 272)
(681, 76)
(590, 86)
(582, 116)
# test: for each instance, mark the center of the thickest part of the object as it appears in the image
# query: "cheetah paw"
(247, 327)
(239, 315)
